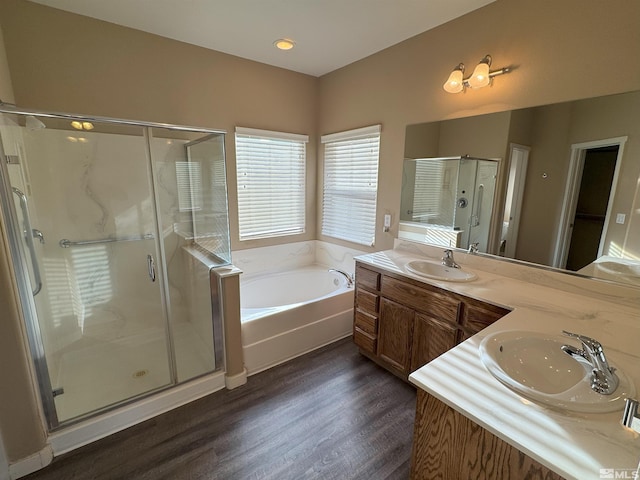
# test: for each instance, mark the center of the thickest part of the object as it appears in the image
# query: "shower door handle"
(475, 219)
(151, 267)
(29, 234)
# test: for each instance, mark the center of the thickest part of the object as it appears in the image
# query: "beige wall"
(6, 89)
(21, 427)
(546, 176)
(119, 72)
(65, 62)
(60, 61)
(604, 118)
(562, 51)
(554, 130)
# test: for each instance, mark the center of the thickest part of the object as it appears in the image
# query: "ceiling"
(328, 34)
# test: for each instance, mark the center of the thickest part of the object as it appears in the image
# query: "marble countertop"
(574, 445)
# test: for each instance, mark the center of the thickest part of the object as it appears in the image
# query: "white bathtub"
(287, 314)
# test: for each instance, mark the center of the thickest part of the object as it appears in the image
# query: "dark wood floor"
(331, 414)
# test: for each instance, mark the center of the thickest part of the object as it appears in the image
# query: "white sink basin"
(438, 271)
(534, 366)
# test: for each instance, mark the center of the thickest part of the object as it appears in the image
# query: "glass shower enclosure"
(448, 201)
(112, 227)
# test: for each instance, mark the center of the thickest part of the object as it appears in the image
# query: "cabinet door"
(395, 326)
(431, 338)
(478, 315)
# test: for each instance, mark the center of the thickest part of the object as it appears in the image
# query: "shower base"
(106, 373)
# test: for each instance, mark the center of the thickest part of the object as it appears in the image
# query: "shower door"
(80, 201)
(477, 182)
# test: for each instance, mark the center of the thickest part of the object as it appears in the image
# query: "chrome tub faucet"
(346, 275)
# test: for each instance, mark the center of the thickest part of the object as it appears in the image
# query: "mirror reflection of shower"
(33, 124)
(448, 201)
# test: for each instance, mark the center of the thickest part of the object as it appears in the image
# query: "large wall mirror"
(567, 180)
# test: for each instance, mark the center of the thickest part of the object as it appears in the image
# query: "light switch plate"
(620, 217)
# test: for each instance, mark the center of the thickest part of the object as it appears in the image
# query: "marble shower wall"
(93, 186)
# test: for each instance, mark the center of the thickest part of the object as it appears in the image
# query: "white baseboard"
(272, 351)
(31, 464)
(235, 381)
(101, 426)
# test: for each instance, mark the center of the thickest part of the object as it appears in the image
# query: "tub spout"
(345, 274)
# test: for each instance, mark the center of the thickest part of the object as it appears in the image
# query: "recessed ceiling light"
(284, 44)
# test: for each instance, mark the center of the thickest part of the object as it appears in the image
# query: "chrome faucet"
(448, 260)
(345, 274)
(603, 377)
(473, 248)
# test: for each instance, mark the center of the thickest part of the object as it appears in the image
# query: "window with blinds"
(271, 183)
(189, 178)
(351, 184)
(427, 191)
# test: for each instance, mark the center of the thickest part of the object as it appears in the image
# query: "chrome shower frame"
(26, 292)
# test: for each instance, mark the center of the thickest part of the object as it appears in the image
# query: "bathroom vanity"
(468, 424)
(403, 323)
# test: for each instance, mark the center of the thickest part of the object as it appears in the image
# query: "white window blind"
(427, 191)
(351, 184)
(189, 178)
(271, 183)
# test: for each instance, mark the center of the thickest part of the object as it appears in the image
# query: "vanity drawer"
(364, 341)
(367, 278)
(367, 323)
(436, 304)
(366, 301)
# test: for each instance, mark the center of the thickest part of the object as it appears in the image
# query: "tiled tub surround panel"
(336, 256)
(574, 445)
(276, 258)
(430, 234)
(289, 256)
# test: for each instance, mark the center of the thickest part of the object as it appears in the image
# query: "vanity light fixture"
(284, 44)
(481, 76)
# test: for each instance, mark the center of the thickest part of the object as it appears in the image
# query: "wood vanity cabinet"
(394, 334)
(402, 324)
(366, 308)
(447, 445)
(431, 338)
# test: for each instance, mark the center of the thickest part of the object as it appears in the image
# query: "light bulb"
(455, 82)
(480, 76)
